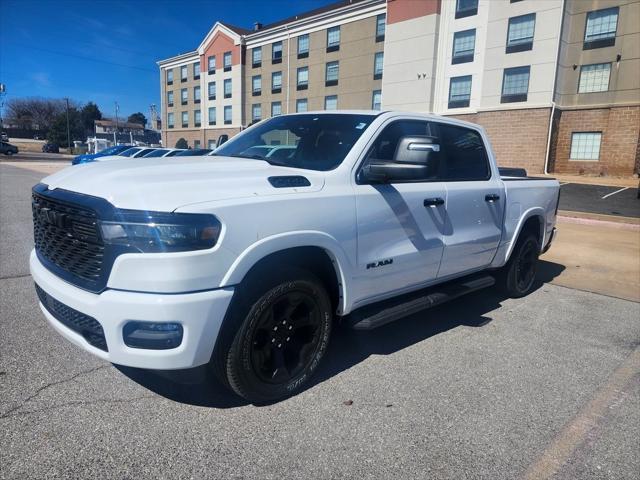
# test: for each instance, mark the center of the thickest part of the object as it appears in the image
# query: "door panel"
(400, 241)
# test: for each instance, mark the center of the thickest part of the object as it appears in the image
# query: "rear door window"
(464, 157)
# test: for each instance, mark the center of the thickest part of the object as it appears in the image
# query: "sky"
(106, 51)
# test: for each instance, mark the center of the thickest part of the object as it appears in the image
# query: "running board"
(387, 311)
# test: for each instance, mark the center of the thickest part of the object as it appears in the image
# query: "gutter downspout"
(553, 92)
(288, 62)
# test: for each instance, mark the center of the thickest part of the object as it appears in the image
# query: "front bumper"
(200, 315)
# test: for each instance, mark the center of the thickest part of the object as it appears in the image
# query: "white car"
(245, 262)
(163, 152)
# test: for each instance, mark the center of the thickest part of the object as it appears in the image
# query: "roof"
(112, 123)
(238, 30)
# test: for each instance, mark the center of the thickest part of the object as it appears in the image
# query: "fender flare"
(532, 212)
(283, 241)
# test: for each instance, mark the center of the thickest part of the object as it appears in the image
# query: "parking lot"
(547, 386)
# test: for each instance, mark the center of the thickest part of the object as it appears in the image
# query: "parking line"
(613, 193)
(574, 433)
(565, 183)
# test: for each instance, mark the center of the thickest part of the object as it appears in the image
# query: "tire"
(518, 276)
(282, 329)
(8, 152)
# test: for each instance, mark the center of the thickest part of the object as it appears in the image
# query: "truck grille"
(67, 236)
(80, 323)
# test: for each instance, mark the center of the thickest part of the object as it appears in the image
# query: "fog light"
(152, 336)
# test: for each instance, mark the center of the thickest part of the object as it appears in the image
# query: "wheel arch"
(533, 221)
(316, 251)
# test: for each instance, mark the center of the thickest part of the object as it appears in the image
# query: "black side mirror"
(221, 139)
(416, 158)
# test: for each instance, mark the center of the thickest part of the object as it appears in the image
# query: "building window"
(170, 119)
(184, 96)
(303, 46)
(228, 115)
(196, 94)
(520, 33)
(376, 100)
(226, 61)
(185, 119)
(211, 64)
(466, 8)
(333, 39)
(169, 77)
(183, 73)
(256, 112)
(256, 57)
(594, 78)
(276, 52)
(331, 102)
(600, 30)
(196, 144)
(196, 70)
(197, 118)
(212, 90)
(276, 109)
(302, 76)
(464, 44)
(585, 146)
(515, 84)
(212, 115)
(276, 82)
(256, 85)
(378, 62)
(227, 88)
(301, 105)
(459, 91)
(169, 99)
(211, 144)
(381, 24)
(331, 74)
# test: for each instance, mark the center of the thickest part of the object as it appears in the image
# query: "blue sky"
(106, 50)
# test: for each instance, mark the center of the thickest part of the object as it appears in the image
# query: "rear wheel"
(519, 275)
(281, 338)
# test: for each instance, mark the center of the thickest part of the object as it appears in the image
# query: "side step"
(387, 311)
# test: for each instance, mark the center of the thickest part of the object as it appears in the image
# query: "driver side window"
(385, 145)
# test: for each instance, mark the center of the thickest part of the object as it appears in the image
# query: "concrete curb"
(580, 218)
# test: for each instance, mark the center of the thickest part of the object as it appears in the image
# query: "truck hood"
(165, 184)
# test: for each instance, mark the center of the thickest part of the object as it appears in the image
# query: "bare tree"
(34, 112)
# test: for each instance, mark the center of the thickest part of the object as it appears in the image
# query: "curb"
(583, 218)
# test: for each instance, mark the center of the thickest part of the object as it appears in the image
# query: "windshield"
(157, 153)
(113, 150)
(130, 153)
(174, 153)
(310, 141)
(193, 152)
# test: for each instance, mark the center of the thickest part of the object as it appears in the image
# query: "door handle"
(492, 197)
(433, 202)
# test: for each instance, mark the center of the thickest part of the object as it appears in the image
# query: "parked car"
(4, 137)
(193, 152)
(244, 263)
(37, 136)
(90, 157)
(7, 148)
(50, 148)
(163, 152)
(275, 152)
(131, 152)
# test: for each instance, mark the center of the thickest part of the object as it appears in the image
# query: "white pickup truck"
(244, 261)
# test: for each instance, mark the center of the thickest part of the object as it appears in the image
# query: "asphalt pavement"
(599, 199)
(547, 386)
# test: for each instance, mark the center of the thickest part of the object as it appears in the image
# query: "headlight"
(161, 232)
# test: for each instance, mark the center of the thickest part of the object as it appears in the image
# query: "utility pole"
(68, 130)
(3, 92)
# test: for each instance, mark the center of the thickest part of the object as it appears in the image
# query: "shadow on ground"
(199, 387)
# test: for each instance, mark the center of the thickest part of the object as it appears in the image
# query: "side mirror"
(221, 139)
(416, 158)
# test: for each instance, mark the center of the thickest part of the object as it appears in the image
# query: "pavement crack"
(11, 413)
(48, 385)
(12, 277)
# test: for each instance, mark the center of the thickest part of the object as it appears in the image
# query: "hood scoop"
(289, 181)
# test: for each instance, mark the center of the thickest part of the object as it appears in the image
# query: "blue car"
(90, 157)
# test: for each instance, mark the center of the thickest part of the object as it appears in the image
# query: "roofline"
(177, 58)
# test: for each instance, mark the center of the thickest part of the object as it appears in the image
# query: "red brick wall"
(518, 137)
(620, 127)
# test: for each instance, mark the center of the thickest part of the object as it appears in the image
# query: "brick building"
(554, 82)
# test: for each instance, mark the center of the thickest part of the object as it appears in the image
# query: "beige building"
(554, 82)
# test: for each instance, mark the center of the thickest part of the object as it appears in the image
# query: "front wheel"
(519, 274)
(8, 152)
(281, 339)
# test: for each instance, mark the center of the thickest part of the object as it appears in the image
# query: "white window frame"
(583, 146)
(593, 79)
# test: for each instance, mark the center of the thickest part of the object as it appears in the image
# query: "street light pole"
(115, 135)
(68, 130)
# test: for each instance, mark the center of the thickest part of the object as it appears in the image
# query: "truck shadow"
(199, 387)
